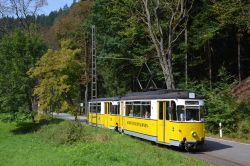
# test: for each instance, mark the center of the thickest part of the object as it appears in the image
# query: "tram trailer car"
(169, 117)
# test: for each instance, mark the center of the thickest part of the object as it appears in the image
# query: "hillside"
(242, 90)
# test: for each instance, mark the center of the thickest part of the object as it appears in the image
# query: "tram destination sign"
(191, 102)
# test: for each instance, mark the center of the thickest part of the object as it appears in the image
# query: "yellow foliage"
(57, 72)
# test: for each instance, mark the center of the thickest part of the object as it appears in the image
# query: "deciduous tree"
(166, 22)
(58, 74)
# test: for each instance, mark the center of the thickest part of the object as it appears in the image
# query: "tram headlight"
(194, 134)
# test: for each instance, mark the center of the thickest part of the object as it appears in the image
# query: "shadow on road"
(210, 146)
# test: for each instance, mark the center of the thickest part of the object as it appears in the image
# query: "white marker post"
(81, 105)
(220, 130)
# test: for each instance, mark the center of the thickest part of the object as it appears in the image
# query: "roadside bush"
(19, 117)
(243, 111)
(244, 129)
(40, 118)
(5, 117)
(68, 132)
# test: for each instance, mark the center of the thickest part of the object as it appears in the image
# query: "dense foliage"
(18, 53)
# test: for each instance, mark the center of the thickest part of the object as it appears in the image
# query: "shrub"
(40, 118)
(19, 117)
(244, 129)
(69, 132)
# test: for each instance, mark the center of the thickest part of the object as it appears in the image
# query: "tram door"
(106, 115)
(162, 121)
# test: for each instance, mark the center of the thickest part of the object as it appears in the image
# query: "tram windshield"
(190, 113)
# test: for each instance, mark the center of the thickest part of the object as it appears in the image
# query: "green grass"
(22, 146)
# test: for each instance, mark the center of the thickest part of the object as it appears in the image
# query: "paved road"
(69, 117)
(215, 151)
(224, 153)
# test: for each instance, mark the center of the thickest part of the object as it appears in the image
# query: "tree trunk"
(30, 105)
(186, 58)
(86, 101)
(239, 61)
(210, 63)
(166, 66)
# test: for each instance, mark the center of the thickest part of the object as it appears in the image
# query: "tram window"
(173, 111)
(146, 111)
(160, 110)
(95, 107)
(139, 109)
(192, 114)
(167, 114)
(114, 109)
(118, 109)
(202, 113)
(129, 109)
(111, 111)
(180, 113)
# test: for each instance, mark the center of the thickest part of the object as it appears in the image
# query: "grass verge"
(51, 144)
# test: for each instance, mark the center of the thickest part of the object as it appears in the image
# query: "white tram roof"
(157, 94)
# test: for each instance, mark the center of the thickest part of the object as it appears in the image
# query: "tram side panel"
(113, 121)
(140, 126)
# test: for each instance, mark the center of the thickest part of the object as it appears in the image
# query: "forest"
(197, 45)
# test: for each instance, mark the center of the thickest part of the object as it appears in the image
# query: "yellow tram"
(169, 117)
